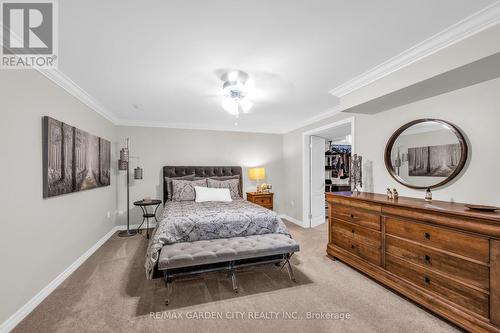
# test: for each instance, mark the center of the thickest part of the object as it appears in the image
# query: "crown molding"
(63, 81)
(186, 126)
(76, 91)
(465, 28)
(314, 119)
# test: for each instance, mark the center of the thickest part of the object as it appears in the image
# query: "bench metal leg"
(233, 280)
(288, 265)
(290, 271)
(281, 260)
(169, 283)
(232, 275)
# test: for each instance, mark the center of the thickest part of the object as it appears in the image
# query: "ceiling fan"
(236, 92)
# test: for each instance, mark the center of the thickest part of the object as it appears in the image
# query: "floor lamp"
(124, 165)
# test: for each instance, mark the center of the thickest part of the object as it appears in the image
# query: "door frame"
(310, 215)
(306, 163)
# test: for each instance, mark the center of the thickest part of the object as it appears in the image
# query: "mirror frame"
(463, 148)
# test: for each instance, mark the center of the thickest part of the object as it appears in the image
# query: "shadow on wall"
(159, 186)
(135, 216)
(115, 171)
(368, 185)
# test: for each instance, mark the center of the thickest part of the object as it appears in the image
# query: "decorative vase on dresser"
(441, 255)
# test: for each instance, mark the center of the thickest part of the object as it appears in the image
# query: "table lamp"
(257, 174)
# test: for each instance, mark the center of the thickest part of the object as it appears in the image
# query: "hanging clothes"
(340, 161)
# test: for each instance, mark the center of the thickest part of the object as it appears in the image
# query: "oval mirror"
(426, 153)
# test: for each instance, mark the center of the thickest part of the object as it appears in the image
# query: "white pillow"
(204, 194)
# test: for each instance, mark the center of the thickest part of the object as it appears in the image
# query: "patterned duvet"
(188, 221)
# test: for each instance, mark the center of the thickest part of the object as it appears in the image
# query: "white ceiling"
(165, 56)
(336, 133)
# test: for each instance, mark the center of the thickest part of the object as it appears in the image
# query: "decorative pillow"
(183, 190)
(232, 184)
(169, 183)
(204, 194)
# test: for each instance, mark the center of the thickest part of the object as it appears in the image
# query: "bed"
(193, 238)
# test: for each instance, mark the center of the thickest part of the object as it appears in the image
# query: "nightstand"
(145, 215)
(264, 199)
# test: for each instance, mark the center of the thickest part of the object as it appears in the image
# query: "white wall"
(475, 110)
(40, 238)
(158, 147)
(293, 160)
(468, 50)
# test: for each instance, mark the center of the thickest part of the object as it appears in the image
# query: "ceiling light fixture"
(236, 89)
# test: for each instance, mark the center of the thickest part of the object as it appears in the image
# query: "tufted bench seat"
(226, 249)
(225, 254)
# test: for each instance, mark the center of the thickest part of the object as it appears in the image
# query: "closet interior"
(337, 164)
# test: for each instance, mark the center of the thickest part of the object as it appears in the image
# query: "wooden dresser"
(264, 199)
(439, 254)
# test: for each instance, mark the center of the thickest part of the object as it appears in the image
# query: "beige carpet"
(109, 293)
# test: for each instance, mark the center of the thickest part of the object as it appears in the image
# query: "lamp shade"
(138, 173)
(124, 154)
(122, 165)
(257, 173)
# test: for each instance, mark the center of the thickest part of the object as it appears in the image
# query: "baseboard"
(135, 226)
(26, 309)
(291, 219)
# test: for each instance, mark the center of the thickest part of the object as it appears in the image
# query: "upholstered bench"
(181, 259)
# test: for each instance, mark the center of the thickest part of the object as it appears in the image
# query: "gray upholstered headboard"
(200, 171)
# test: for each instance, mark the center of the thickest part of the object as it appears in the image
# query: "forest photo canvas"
(433, 161)
(73, 160)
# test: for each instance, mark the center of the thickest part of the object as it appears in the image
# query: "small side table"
(145, 215)
(264, 199)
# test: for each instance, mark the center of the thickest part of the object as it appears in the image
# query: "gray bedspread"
(188, 221)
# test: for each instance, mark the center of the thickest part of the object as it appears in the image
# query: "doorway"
(326, 155)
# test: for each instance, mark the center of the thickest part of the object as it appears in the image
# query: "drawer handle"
(352, 230)
(352, 246)
(427, 236)
(352, 216)
(427, 258)
(427, 280)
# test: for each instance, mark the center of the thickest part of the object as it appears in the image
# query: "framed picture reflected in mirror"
(426, 153)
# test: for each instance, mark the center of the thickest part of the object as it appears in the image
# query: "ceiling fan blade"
(246, 105)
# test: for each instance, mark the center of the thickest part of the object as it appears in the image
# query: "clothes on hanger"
(339, 160)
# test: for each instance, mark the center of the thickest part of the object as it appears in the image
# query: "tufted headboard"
(200, 171)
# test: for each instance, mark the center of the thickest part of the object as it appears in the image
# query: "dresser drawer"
(469, 272)
(368, 253)
(262, 200)
(357, 233)
(357, 216)
(348, 202)
(470, 299)
(456, 242)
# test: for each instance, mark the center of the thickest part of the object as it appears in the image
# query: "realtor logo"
(29, 34)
